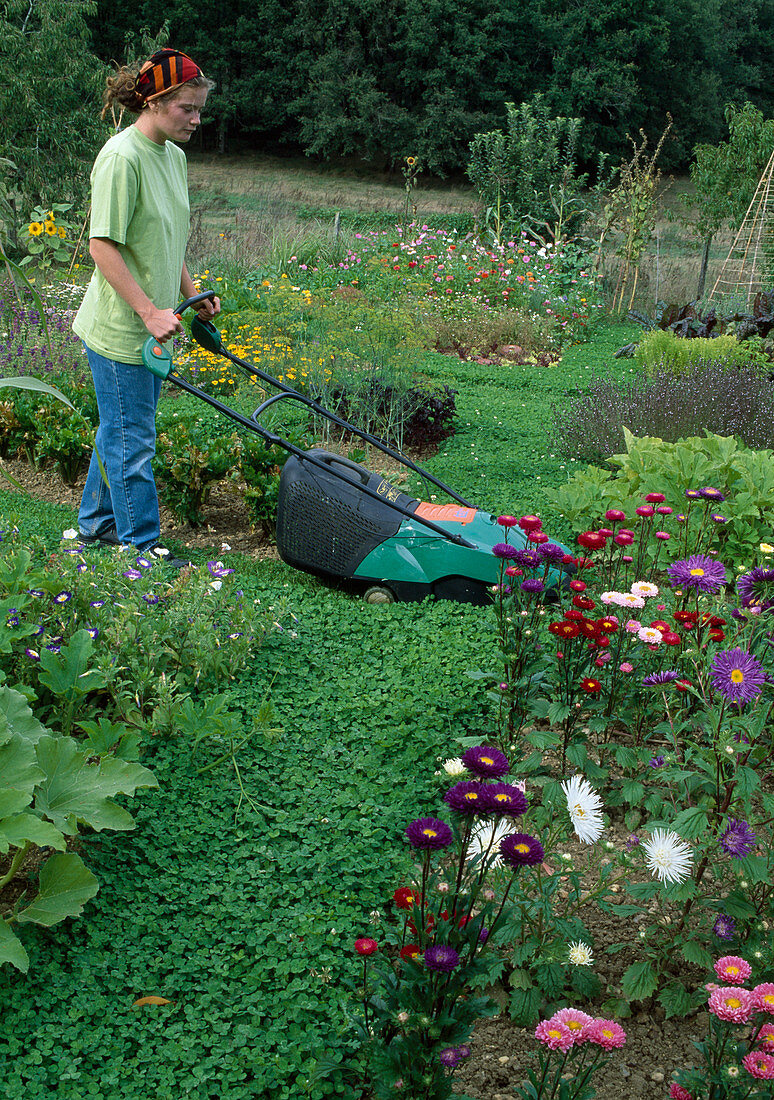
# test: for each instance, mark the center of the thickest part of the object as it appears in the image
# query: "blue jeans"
(127, 396)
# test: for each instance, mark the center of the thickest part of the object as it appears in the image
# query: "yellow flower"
(50, 216)
(766, 548)
(50, 228)
(35, 229)
(62, 232)
(411, 161)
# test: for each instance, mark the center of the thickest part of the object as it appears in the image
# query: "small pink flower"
(632, 626)
(572, 1018)
(766, 1037)
(625, 667)
(645, 510)
(663, 535)
(615, 515)
(677, 1092)
(664, 510)
(555, 1036)
(759, 1064)
(624, 538)
(507, 521)
(733, 970)
(606, 1033)
(732, 1004)
(763, 996)
(655, 498)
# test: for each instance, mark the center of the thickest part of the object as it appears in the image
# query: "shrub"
(715, 396)
(413, 418)
(188, 459)
(664, 350)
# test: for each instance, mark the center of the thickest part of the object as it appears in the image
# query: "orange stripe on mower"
(445, 513)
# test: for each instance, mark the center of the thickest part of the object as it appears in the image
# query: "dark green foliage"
(417, 418)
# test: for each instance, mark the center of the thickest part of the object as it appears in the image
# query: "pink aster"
(766, 1037)
(606, 1033)
(733, 970)
(759, 1064)
(678, 1092)
(555, 1036)
(763, 996)
(731, 1004)
(574, 1019)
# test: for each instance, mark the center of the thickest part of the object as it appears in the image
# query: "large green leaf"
(67, 673)
(75, 791)
(13, 801)
(18, 764)
(66, 884)
(20, 828)
(16, 717)
(11, 950)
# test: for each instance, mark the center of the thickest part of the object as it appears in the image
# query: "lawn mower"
(339, 521)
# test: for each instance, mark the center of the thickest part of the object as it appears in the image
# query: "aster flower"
(763, 995)
(556, 1036)
(644, 589)
(450, 1057)
(365, 946)
(656, 679)
(533, 585)
(738, 839)
(759, 1064)
(650, 635)
(667, 856)
(486, 762)
(731, 1004)
(441, 957)
(454, 766)
(708, 493)
(580, 954)
(754, 587)
(466, 797)
(526, 558)
(585, 809)
(504, 550)
(605, 1033)
(700, 572)
(733, 970)
(551, 552)
(487, 837)
(429, 834)
(678, 1092)
(737, 675)
(521, 850)
(724, 927)
(504, 799)
(403, 898)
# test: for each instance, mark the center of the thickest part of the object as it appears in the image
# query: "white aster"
(667, 856)
(454, 766)
(486, 837)
(580, 954)
(585, 809)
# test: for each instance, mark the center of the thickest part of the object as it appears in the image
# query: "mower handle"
(193, 301)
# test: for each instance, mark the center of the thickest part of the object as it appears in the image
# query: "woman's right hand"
(162, 324)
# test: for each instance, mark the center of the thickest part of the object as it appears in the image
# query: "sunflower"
(49, 227)
(62, 233)
(34, 229)
(411, 161)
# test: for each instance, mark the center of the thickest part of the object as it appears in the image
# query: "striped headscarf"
(163, 71)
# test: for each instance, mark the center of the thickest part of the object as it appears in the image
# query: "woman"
(137, 239)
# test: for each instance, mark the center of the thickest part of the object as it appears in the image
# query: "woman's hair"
(123, 89)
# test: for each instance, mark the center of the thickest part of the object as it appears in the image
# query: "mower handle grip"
(330, 460)
(194, 300)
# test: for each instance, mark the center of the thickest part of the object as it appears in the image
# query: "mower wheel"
(378, 594)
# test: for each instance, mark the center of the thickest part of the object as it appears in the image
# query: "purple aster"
(502, 798)
(549, 551)
(632, 841)
(708, 493)
(656, 678)
(467, 797)
(521, 850)
(441, 957)
(718, 519)
(486, 761)
(450, 1057)
(656, 762)
(698, 571)
(532, 584)
(737, 675)
(504, 550)
(753, 588)
(527, 558)
(724, 927)
(429, 833)
(693, 494)
(738, 839)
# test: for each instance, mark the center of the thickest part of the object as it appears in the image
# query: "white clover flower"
(667, 856)
(585, 809)
(454, 766)
(580, 954)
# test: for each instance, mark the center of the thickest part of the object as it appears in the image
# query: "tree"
(49, 97)
(725, 175)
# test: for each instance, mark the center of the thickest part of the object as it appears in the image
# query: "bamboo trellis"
(749, 266)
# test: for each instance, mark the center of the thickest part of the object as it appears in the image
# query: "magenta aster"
(554, 1035)
(700, 572)
(763, 996)
(738, 839)
(486, 762)
(737, 675)
(605, 1033)
(759, 1064)
(733, 970)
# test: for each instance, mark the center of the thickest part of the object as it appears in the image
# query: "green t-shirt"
(139, 200)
